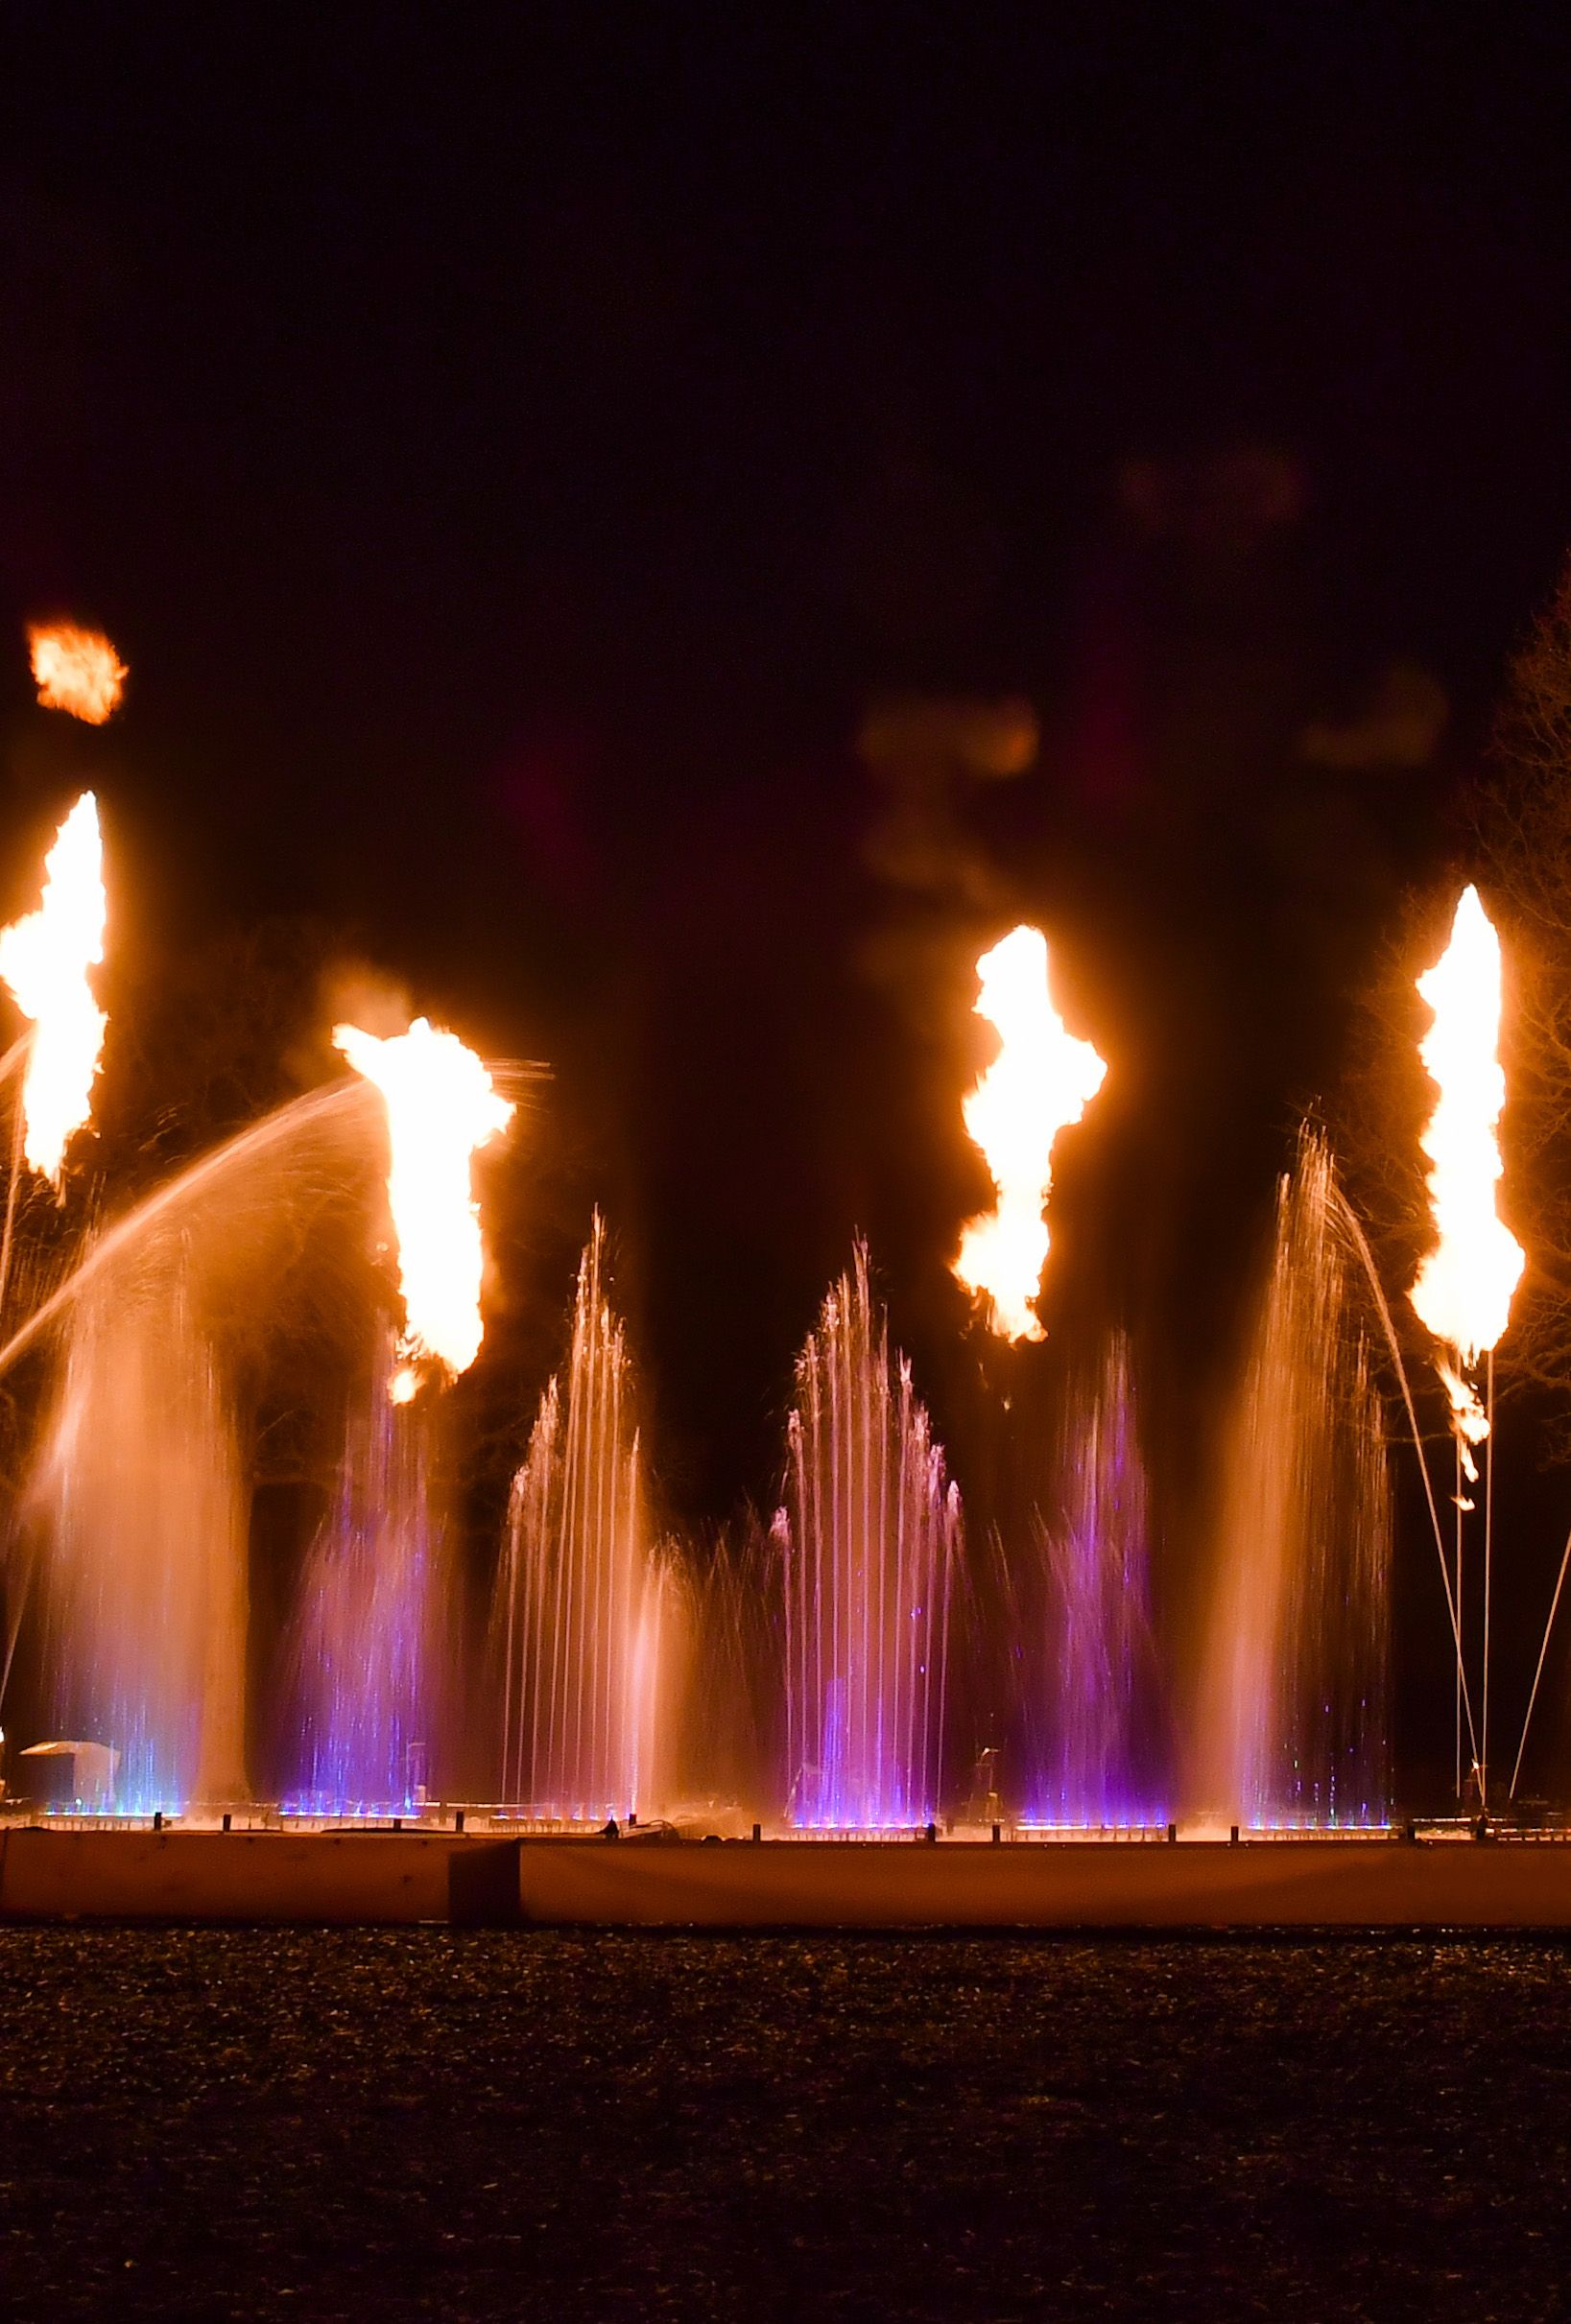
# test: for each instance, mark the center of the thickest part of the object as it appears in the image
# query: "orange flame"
(44, 959)
(1464, 1286)
(1041, 1080)
(76, 670)
(441, 1107)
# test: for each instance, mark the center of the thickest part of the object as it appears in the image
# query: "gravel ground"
(374, 2124)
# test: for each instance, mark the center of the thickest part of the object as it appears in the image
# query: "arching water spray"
(135, 1542)
(302, 1139)
(1292, 1726)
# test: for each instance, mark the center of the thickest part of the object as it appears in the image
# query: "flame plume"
(1464, 1288)
(1041, 1080)
(76, 671)
(44, 959)
(441, 1107)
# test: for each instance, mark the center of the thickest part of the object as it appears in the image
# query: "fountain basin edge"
(369, 1878)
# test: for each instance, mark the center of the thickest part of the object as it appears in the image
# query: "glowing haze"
(1041, 1080)
(76, 670)
(441, 1107)
(45, 960)
(1464, 1288)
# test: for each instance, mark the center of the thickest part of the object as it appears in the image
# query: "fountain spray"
(586, 1604)
(869, 1541)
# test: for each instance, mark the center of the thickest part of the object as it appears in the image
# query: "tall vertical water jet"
(1292, 1719)
(586, 1604)
(366, 1654)
(137, 1500)
(869, 1538)
(1085, 1728)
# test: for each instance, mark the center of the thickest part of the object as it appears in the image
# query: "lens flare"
(1464, 1288)
(1041, 1080)
(44, 959)
(76, 671)
(440, 1107)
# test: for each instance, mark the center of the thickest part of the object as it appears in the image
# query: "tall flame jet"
(44, 959)
(1464, 1286)
(441, 1107)
(76, 671)
(1040, 1083)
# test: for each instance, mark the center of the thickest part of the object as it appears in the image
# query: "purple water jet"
(366, 1655)
(1085, 1621)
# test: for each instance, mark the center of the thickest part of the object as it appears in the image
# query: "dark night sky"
(513, 447)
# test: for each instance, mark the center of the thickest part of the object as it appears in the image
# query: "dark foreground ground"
(387, 2124)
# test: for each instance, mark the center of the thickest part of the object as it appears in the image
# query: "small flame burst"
(44, 959)
(441, 1107)
(76, 671)
(1464, 1286)
(1041, 1080)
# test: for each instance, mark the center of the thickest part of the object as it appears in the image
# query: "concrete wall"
(323, 1876)
(1378, 1884)
(364, 1878)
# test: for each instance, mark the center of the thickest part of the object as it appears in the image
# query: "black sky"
(513, 447)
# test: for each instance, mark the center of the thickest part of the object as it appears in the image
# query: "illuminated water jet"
(869, 1538)
(586, 1605)
(137, 1510)
(369, 1627)
(301, 1141)
(1083, 1617)
(1292, 1725)
(136, 1515)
